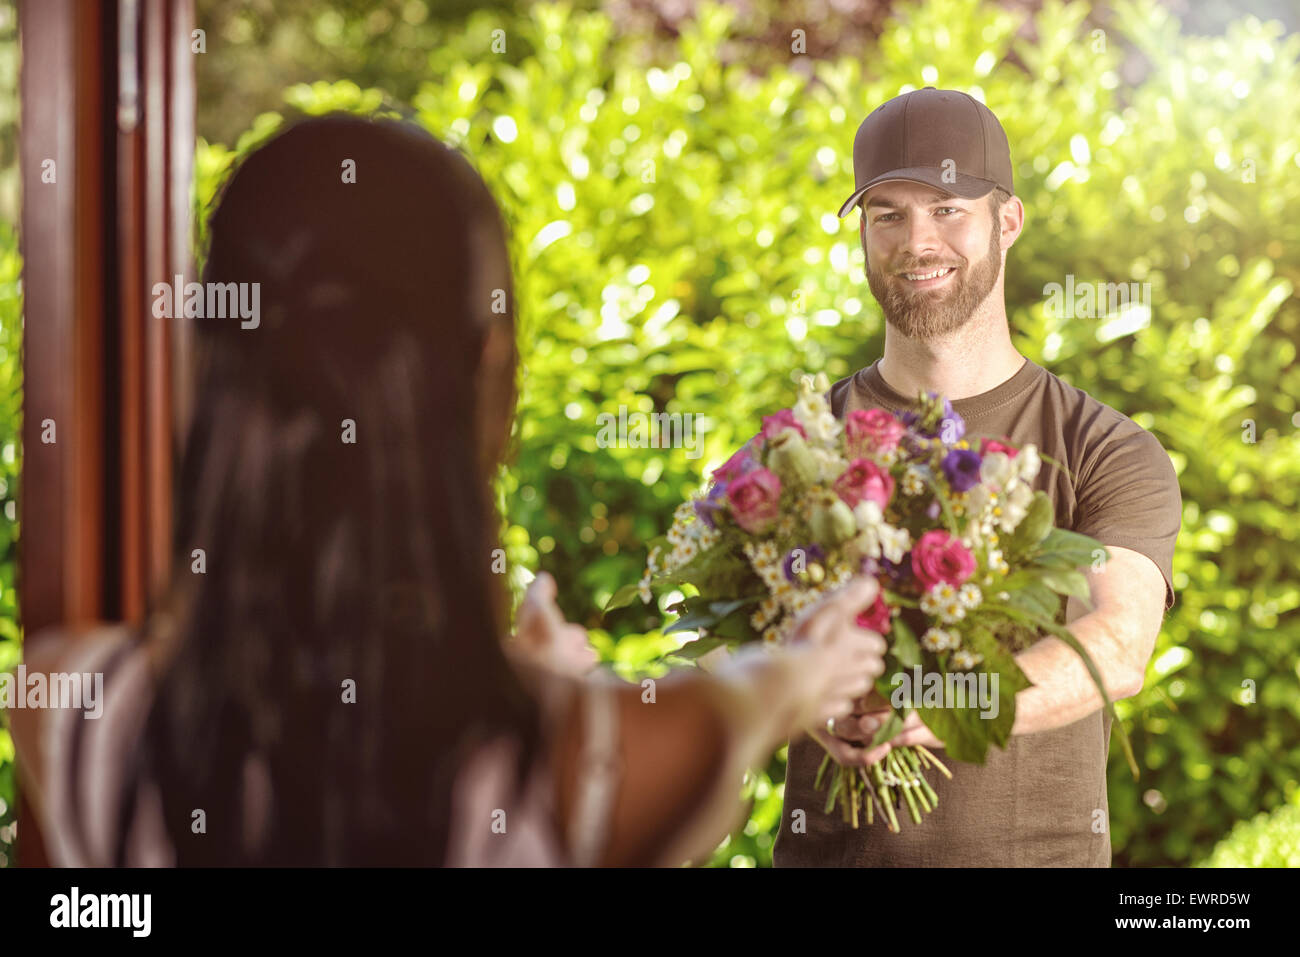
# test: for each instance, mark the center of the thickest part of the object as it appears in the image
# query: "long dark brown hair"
(336, 569)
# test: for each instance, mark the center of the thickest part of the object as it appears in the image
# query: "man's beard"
(929, 314)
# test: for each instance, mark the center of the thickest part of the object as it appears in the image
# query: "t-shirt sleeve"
(1129, 498)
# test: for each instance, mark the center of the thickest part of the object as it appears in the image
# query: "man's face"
(910, 229)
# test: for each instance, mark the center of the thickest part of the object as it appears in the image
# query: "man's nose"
(921, 235)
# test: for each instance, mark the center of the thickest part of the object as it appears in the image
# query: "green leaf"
(698, 647)
(1067, 582)
(622, 598)
(692, 622)
(1035, 599)
(964, 734)
(1066, 548)
(904, 645)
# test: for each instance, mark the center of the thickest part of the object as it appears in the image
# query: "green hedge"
(1267, 840)
(10, 446)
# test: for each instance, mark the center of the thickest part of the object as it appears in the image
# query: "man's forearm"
(1063, 690)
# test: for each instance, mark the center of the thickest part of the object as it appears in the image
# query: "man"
(938, 214)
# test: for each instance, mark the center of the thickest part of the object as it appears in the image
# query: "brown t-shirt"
(1034, 804)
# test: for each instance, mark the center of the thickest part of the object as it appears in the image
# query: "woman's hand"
(544, 638)
(841, 660)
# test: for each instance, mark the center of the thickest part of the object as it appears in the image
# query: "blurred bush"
(676, 249)
(10, 463)
(1267, 840)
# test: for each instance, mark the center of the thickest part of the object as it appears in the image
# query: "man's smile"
(927, 278)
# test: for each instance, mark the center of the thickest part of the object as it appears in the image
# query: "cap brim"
(963, 186)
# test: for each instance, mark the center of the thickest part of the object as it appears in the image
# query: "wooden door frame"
(107, 89)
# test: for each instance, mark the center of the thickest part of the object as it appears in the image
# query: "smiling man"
(938, 214)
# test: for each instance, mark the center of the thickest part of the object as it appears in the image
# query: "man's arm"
(1119, 634)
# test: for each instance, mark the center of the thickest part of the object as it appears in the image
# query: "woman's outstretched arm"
(684, 753)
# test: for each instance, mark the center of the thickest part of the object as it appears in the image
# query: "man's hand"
(848, 745)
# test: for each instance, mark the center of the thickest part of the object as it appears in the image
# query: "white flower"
(876, 536)
(936, 639)
(914, 480)
(868, 514)
(995, 469)
(830, 465)
(1015, 505)
(643, 589)
(942, 602)
(894, 542)
(821, 427)
(969, 595)
(1019, 495)
(1028, 463)
(965, 660)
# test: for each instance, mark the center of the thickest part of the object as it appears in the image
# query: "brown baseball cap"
(942, 138)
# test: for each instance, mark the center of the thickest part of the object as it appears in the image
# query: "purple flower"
(952, 426)
(932, 511)
(896, 573)
(811, 553)
(704, 508)
(962, 467)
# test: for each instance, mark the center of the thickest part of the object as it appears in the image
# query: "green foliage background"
(676, 249)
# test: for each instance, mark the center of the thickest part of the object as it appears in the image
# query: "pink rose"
(875, 618)
(755, 499)
(864, 480)
(871, 430)
(774, 424)
(742, 462)
(993, 445)
(938, 557)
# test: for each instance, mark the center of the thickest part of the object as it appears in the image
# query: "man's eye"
(881, 219)
(953, 208)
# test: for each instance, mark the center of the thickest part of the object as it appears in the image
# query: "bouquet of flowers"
(971, 571)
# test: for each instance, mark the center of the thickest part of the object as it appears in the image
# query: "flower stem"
(937, 763)
(892, 760)
(886, 799)
(817, 782)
